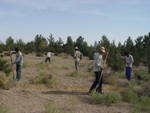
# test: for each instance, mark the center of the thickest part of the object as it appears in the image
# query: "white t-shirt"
(129, 61)
(49, 54)
(98, 62)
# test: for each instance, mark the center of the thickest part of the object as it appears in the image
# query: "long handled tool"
(12, 66)
(102, 69)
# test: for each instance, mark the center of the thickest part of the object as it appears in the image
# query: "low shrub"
(75, 74)
(110, 80)
(120, 74)
(5, 67)
(5, 82)
(142, 75)
(97, 98)
(39, 54)
(142, 105)
(145, 89)
(44, 78)
(110, 98)
(50, 109)
(129, 95)
(3, 109)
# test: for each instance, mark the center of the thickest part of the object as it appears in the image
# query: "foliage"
(3, 109)
(110, 98)
(129, 95)
(142, 105)
(145, 90)
(44, 78)
(142, 75)
(139, 48)
(4, 66)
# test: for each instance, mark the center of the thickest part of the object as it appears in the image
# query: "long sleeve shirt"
(19, 58)
(98, 62)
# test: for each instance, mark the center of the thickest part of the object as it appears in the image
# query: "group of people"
(100, 57)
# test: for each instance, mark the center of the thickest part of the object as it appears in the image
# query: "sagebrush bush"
(145, 89)
(5, 82)
(129, 95)
(5, 67)
(142, 75)
(110, 98)
(97, 98)
(44, 78)
(3, 109)
(75, 74)
(142, 105)
(120, 74)
(110, 80)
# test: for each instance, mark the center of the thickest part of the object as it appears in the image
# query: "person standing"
(77, 57)
(19, 62)
(98, 68)
(129, 62)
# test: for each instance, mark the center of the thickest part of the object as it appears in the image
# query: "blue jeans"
(128, 73)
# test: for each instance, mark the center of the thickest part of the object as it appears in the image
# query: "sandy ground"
(68, 96)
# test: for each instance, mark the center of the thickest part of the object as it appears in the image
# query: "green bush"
(39, 54)
(50, 109)
(111, 80)
(142, 105)
(120, 74)
(75, 74)
(145, 89)
(129, 95)
(5, 67)
(44, 78)
(97, 98)
(142, 75)
(3, 109)
(110, 98)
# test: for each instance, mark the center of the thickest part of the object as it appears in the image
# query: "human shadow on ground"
(73, 93)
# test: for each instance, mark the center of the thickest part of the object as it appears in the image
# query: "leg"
(95, 82)
(128, 73)
(18, 71)
(99, 88)
(46, 60)
(76, 67)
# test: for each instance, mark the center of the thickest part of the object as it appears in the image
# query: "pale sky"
(117, 19)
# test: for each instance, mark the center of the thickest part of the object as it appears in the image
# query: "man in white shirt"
(77, 57)
(129, 62)
(48, 57)
(18, 61)
(98, 67)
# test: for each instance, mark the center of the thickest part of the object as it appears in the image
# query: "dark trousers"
(128, 73)
(48, 59)
(98, 81)
(18, 71)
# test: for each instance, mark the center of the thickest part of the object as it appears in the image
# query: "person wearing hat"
(98, 67)
(77, 58)
(19, 62)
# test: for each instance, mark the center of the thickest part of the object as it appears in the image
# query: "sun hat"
(76, 48)
(102, 49)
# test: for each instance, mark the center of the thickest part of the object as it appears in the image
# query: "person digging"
(98, 68)
(19, 62)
